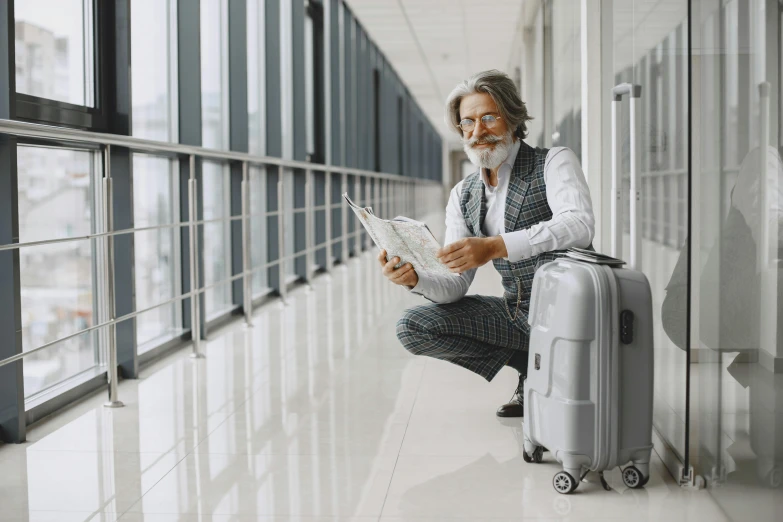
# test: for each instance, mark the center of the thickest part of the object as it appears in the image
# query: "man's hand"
(471, 252)
(404, 276)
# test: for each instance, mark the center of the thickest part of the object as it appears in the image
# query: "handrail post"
(281, 235)
(112, 374)
(195, 308)
(247, 280)
(367, 203)
(344, 220)
(328, 221)
(308, 227)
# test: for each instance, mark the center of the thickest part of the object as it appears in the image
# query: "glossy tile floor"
(315, 413)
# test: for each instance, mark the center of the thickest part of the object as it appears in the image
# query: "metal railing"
(392, 192)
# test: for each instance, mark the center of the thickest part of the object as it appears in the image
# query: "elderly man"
(522, 204)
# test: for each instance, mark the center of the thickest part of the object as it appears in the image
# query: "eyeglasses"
(488, 120)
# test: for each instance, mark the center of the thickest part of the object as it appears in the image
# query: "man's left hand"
(471, 252)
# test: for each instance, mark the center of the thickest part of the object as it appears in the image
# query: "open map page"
(405, 238)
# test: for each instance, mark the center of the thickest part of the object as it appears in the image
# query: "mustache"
(487, 139)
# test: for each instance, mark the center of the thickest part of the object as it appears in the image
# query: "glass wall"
(563, 92)
(650, 50)
(58, 281)
(155, 190)
(737, 420)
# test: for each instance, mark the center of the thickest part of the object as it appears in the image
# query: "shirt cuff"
(517, 245)
(421, 286)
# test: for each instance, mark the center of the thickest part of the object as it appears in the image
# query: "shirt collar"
(505, 167)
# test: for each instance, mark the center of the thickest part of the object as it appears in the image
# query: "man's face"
(486, 148)
(474, 106)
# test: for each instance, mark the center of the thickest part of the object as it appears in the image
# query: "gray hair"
(503, 92)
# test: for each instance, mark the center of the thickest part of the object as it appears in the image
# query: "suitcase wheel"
(564, 483)
(633, 478)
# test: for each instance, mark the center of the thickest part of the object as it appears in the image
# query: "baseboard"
(668, 456)
(765, 359)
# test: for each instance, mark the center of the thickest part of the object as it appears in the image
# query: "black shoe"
(516, 406)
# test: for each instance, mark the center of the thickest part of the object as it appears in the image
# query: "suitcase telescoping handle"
(635, 93)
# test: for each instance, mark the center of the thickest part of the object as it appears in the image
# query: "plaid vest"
(526, 205)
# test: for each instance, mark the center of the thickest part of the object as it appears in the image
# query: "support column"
(12, 417)
(189, 124)
(117, 17)
(592, 106)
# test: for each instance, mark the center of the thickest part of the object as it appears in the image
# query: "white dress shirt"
(572, 222)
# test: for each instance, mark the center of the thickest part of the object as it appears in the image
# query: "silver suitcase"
(589, 388)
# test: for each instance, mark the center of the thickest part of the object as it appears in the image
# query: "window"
(215, 187)
(217, 238)
(156, 252)
(258, 229)
(376, 82)
(214, 74)
(256, 86)
(58, 285)
(154, 84)
(54, 50)
(155, 191)
(400, 137)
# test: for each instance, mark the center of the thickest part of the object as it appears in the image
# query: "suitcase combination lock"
(626, 327)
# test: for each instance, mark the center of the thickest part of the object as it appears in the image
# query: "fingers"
(382, 257)
(388, 267)
(458, 268)
(401, 273)
(405, 275)
(408, 277)
(452, 256)
(452, 247)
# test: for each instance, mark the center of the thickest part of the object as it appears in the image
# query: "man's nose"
(478, 128)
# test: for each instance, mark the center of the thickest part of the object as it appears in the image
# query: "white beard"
(489, 158)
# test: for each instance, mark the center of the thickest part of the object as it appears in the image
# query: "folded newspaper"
(410, 240)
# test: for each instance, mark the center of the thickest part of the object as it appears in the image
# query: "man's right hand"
(404, 276)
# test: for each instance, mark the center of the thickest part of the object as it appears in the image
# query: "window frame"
(37, 109)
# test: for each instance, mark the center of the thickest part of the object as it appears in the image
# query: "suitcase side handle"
(634, 92)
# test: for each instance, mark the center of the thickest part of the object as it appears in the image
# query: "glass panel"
(258, 233)
(54, 50)
(155, 193)
(217, 237)
(154, 102)
(737, 419)
(214, 74)
(155, 251)
(256, 86)
(566, 76)
(57, 287)
(309, 86)
(650, 50)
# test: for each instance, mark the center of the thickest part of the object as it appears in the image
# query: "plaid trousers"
(474, 332)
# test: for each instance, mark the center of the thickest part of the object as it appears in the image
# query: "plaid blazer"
(526, 205)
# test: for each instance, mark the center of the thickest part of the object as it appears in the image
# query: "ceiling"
(425, 39)
(425, 42)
